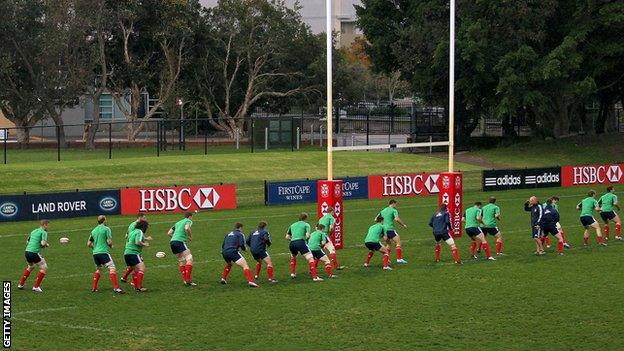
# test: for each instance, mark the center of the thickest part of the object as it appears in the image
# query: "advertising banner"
(178, 199)
(330, 194)
(528, 178)
(592, 174)
(419, 184)
(451, 194)
(59, 205)
(302, 191)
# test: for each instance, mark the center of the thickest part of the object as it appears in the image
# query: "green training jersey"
(298, 230)
(34, 240)
(471, 215)
(489, 213)
(327, 220)
(316, 240)
(607, 201)
(375, 233)
(389, 214)
(131, 227)
(179, 234)
(554, 205)
(99, 237)
(131, 246)
(587, 206)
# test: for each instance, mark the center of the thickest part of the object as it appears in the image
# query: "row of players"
(479, 221)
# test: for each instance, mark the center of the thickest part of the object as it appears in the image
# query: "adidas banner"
(528, 178)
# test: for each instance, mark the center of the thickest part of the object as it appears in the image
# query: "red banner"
(451, 186)
(421, 184)
(329, 194)
(178, 199)
(592, 174)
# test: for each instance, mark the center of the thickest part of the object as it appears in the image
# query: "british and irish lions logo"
(325, 190)
(446, 182)
(337, 190)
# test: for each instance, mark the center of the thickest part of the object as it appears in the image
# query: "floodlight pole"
(329, 48)
(451, 155)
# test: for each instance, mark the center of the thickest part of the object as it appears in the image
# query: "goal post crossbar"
(390, 146)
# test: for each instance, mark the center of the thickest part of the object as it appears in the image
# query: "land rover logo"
(108, 203)
(8, 209)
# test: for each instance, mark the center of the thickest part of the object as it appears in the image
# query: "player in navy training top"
(258, 241)
(232, 242)
(548, 224)
(440, 222)
(532, 205)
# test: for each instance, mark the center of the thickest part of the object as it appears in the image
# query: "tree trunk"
(23, 135)
(561, 118)
(95, 125)
(508, 127)
(58, 121)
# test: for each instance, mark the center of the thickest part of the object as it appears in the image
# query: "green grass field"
(520, 302)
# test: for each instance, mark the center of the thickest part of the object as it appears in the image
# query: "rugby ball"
(160, 254)
(64, 240)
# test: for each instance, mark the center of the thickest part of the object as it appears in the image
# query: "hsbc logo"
(401, 185)
(174, 199)
(206, 198)
(596, 174)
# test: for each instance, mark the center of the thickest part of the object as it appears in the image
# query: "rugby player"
(440, 222)
(390, 215)
(587, 207)
(258, 241)
(490, 217)
(317, 240)
(607, 203)
(373, 242)
(180, 233)
(328, 222)
(140, 217)
(298, 233)
(37, 240)
(133, 254)
(548, 224)
(100, 241)
(472, 218)
(234, 241)
(532, 205)
(555, 205)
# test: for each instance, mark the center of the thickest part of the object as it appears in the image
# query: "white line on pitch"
(44, 310)
(81, 327)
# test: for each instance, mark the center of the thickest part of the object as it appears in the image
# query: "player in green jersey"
(133, 253)
(328, 222)
(37, 240)
(317, 241)
(391, 215)
(140, 217)
(297, 234)
(373, 242)
(100, 241)
(472, 218)
(608, 202)
(587, 207)
(491, 215)
(180, 233)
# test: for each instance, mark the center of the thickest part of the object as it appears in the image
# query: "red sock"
(313, 270)
(316, 263)
(560, 246)
(585, 241)
(607, 231)
(270, 272)
(135, 280)
(547, 240)
(226, 271)
(189, 273)
(618, 230)
(499, 247)
(386, 259)
(127, 273)
(183, 272)
(328, 269)
(399, 252)
(479, 246)
(293, 264)
(369, 256)
(456, 253)
(563, 236)
(25, 276)
(113, 279)
(96, 279)
(247, 273)
(139, 280)
(437, 252)
(486, 248)
(39, 279)
(600, 240)
(258, 268)
(473, 247)
(334, 259)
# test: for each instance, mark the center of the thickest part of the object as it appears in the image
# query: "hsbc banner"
(59, 205)
(178, 199)
(528, 178)
(592, 174)
(420, 184)
(302, 191)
